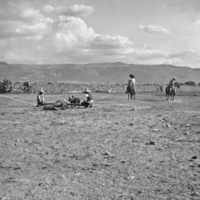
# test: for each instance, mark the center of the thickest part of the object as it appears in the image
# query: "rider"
(132, 79)
(171, 84)
(131, 82)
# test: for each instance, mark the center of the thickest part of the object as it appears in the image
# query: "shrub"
(190, 83)
(6, 86)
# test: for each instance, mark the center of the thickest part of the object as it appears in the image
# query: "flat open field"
(146, 149)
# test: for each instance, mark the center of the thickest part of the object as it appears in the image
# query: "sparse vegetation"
(118, 150)
(61, 88)
(190, 83)
(6, 86)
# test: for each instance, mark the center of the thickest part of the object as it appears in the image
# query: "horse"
(62, 104)
(171, 92)
(130, 90)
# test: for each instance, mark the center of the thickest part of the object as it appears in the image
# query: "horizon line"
(5, 62)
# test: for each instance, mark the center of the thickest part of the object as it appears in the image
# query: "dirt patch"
(119, 149)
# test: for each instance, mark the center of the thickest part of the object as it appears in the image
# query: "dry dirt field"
(146, 149)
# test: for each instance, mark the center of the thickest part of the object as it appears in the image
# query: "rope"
(17, 99)
(34, 104)
(102, 97)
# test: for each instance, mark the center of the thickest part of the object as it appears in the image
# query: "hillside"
(97, 72)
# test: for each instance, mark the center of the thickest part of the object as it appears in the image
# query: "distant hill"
(97, 72)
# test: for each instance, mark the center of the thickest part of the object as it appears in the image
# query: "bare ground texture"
(146, 149)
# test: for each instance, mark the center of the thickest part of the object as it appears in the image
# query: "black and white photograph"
(99, 99)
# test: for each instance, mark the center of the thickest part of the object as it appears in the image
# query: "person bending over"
(88, 103)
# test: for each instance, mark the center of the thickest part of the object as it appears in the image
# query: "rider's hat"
(42, 90)
(86, 91)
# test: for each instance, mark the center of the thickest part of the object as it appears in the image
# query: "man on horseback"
(132, 79)
(170, 90)
(172, 84)
(131, 86)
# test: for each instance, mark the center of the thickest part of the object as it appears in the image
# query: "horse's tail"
(125, 89)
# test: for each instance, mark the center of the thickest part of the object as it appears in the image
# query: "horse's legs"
(131, 96)
(172, 97)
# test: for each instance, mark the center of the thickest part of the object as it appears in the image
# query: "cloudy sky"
(93, 31)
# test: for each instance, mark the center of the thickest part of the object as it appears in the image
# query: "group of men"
(73, 101)
(89, 100)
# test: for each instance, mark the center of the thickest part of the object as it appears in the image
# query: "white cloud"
(197, 23)
(15, 29)
(30, 13)
(59, 35)
(151, 54)
(18, 11)
(71, 32)
(75, 10)
(110, 42)
(154, 29)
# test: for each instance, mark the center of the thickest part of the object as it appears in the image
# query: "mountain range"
(97, 72)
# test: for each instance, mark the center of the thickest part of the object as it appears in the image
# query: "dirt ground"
(146, 149)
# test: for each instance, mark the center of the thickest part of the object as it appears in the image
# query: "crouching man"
(74, 101)
(88, 103)
(40, 98)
